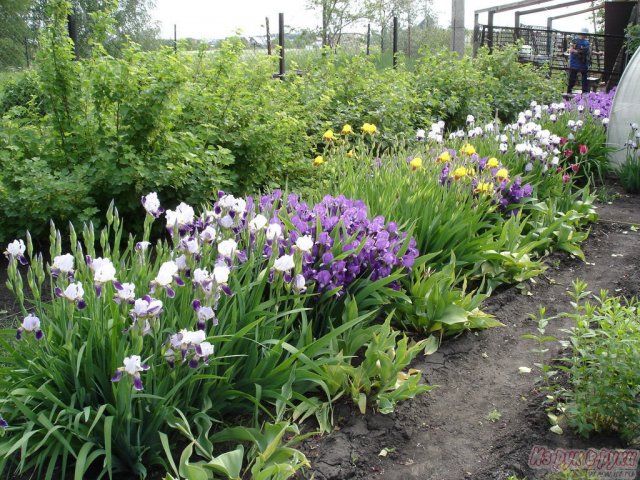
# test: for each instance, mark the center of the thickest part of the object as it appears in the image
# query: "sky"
(209, 19)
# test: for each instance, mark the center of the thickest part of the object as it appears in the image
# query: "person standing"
(579, 61)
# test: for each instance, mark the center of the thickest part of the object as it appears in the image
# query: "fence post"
(268, 36)
(175, 38)
(490, 31)
(409, 38)
(549, 38)
(395, 41)
(368, 37)
(26, 51)
(476, 35)
(281, 42)
(73, 31)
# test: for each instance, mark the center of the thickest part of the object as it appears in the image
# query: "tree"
(336, 15)
(131, 20)
(415, 12)
(14, 33)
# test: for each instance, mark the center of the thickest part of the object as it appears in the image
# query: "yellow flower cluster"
(328, 136)
(502, 175)
(459, 173)
(415, 163)
(484, 188)
(369, 128)
(318, 161)
(346, 130)
(468, 149)
(444, 157)
(492, 162)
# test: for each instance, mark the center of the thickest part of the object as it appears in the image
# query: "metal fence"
(549, 48)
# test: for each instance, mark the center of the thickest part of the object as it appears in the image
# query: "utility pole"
(457, 27)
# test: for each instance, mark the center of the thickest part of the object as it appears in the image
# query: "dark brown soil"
(446, 435)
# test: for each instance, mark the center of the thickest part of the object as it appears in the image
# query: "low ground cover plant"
(599, 365)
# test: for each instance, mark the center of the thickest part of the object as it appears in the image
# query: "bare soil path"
(446, 435)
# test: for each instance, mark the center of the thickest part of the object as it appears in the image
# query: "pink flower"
(583, 149)
(575, 167)
(566, 178)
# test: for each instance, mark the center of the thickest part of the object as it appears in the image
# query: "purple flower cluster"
(514, 192)
(600, 102)
(349, 245)
(485, 176)
(334, 240)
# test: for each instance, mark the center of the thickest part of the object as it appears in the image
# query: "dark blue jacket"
(580, 59)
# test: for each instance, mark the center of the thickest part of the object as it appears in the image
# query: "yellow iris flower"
(328, 136)
(468, 149)
(369, 128)
(502, 175)
(444, 157)
(485, 187)
(459, 173)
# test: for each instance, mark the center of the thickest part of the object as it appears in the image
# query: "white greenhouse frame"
(625, 110)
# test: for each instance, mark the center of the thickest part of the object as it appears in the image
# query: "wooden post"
(476, 34)
(395, 41)
(266, 19)
(175, 38)
(490, 31)
(408, 36)
(26, 51)
(368, 37)
(281, 42)
(73, 31)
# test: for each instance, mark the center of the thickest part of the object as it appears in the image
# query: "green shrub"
(602, 365)
(21, 90)
(600, 361)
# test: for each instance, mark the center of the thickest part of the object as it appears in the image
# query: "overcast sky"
(207, 19)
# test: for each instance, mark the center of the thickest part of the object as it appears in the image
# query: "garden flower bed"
(355, 234)
(271, 309)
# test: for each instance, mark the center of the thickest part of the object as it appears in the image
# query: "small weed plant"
(600, 361)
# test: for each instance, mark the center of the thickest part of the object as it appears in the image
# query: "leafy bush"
(118, 127)
(601, 361)
(21, 90)
(510, 85)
